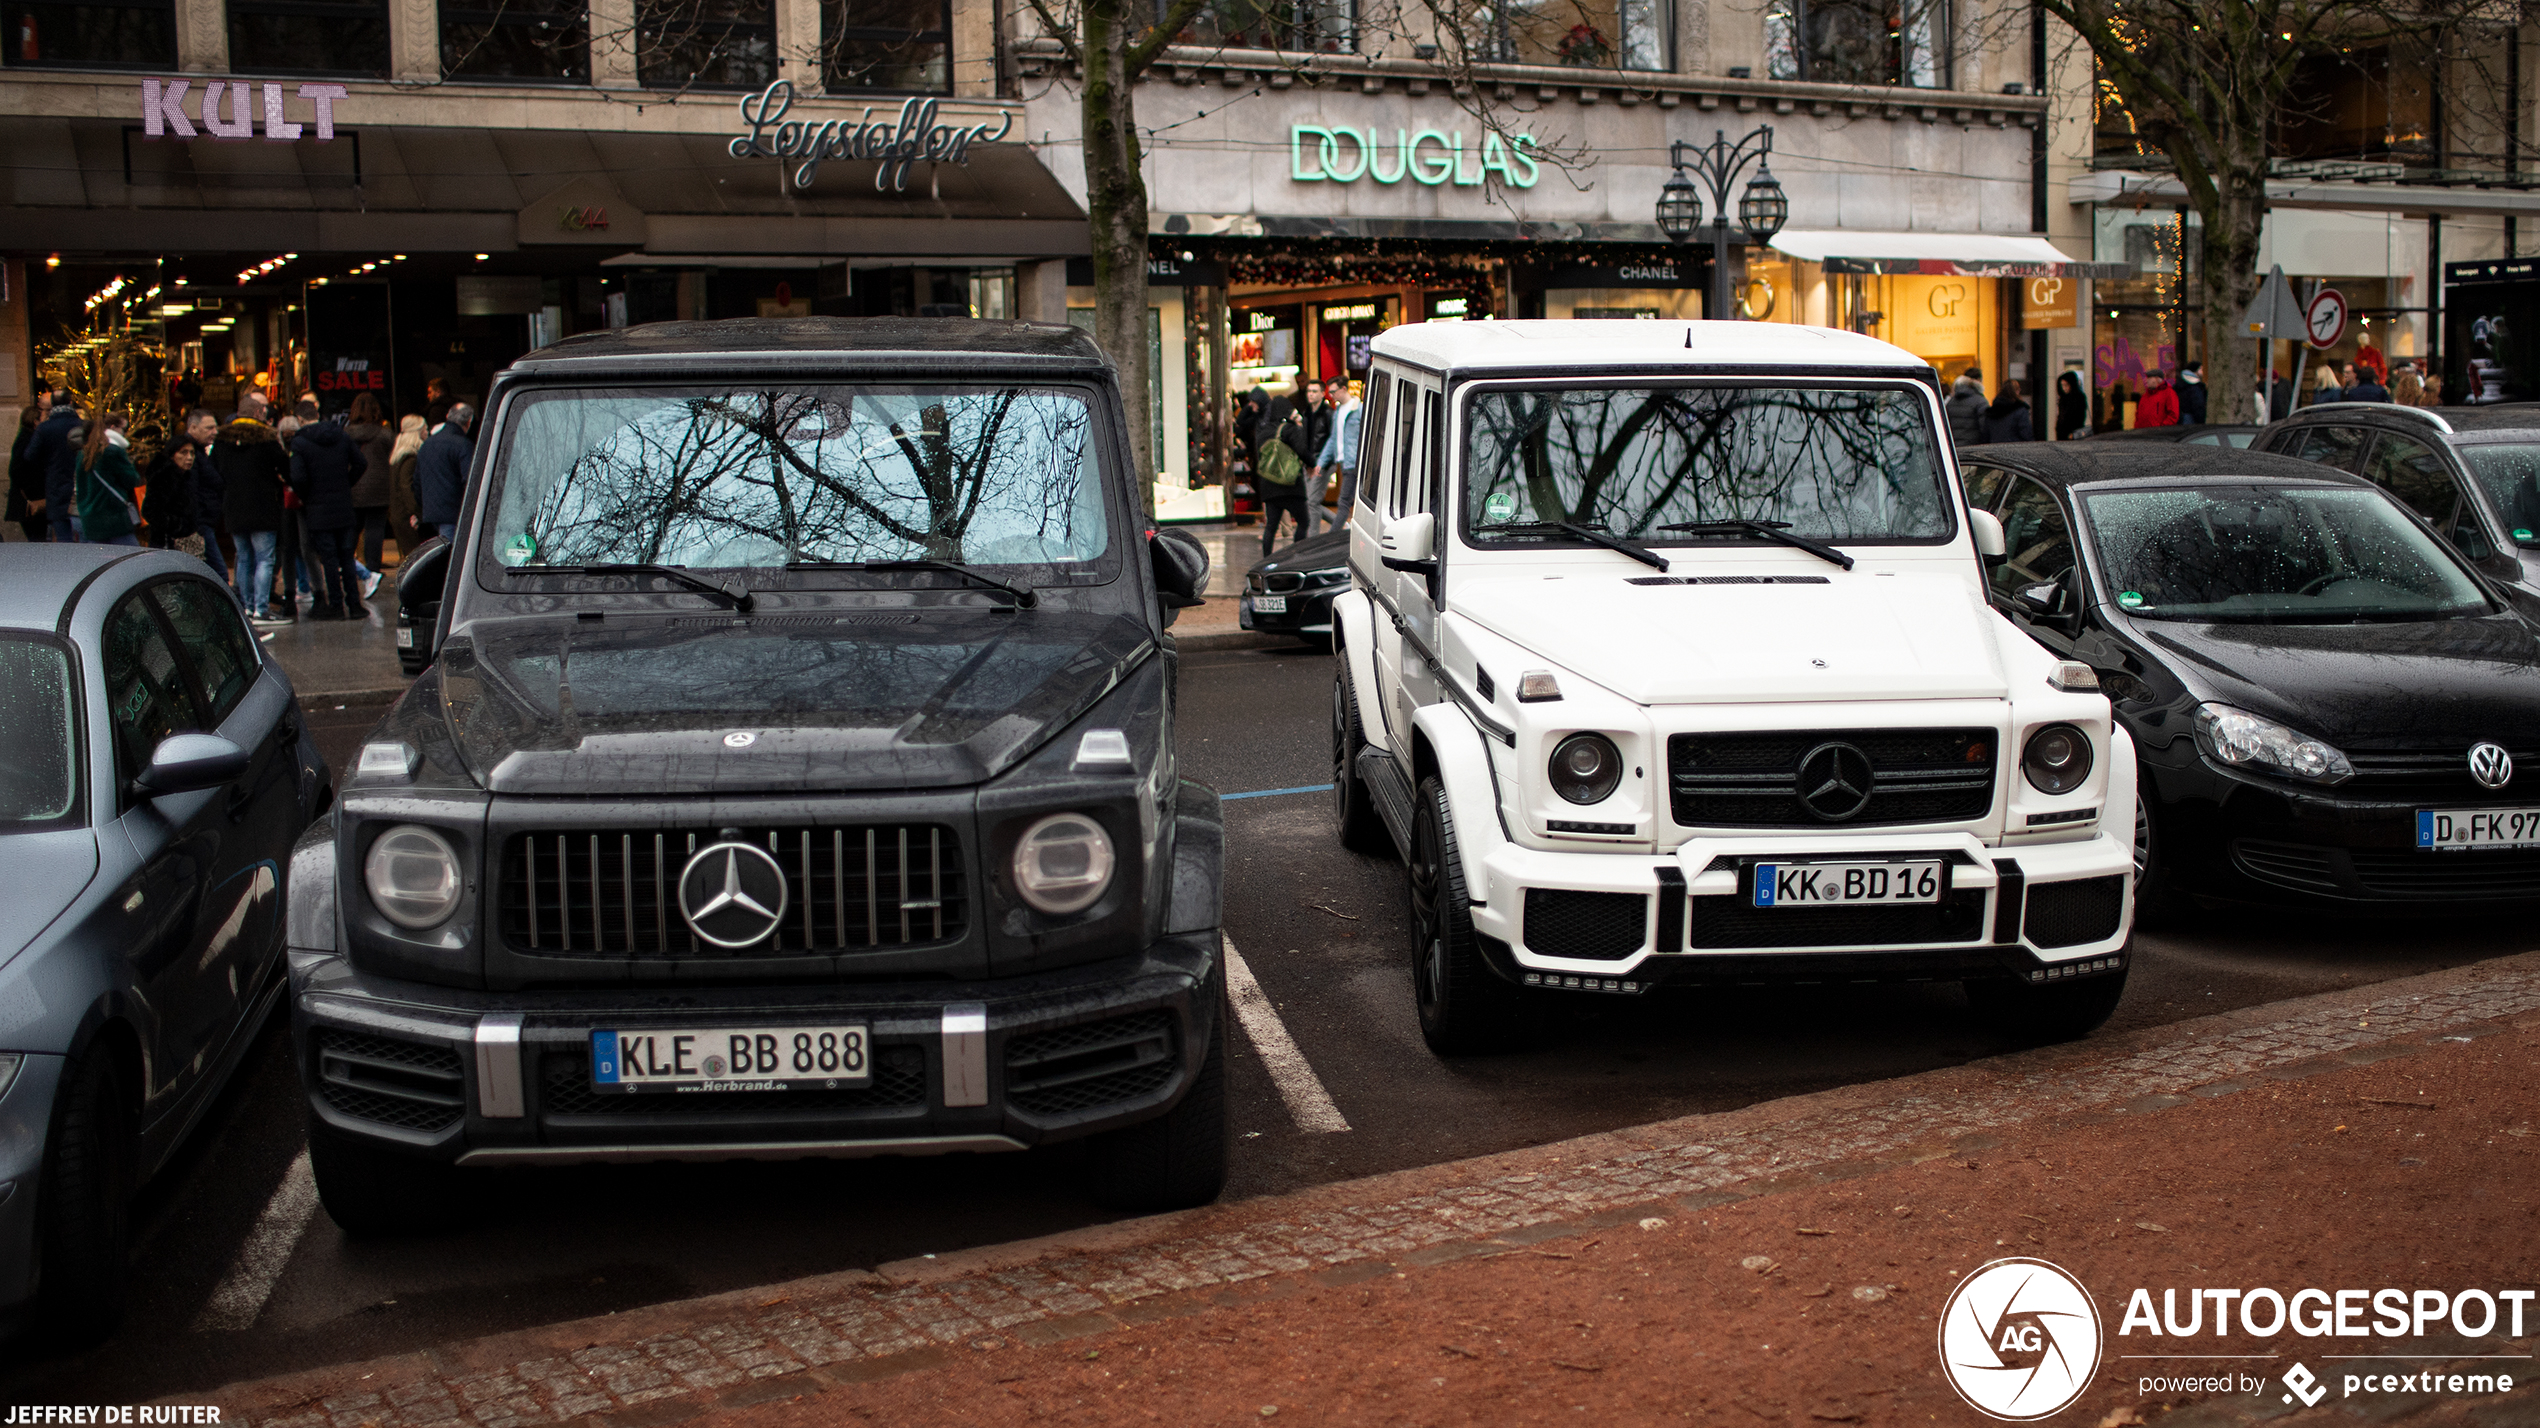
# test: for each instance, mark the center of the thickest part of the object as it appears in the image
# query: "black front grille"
(1590, 926)
(407, 1084)
(2288, 865)
(2421, 873)
(1752, 780)
(1097, 1063)
(899, 1083)
(2071, 913)
(2436, 773)
(616, 894)
(1733, 922)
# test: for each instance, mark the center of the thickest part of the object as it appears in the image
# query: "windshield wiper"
(1769, 530)
(736, 600)
(1020, 595)
(1591, 534)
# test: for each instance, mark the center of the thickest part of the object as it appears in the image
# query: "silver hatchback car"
(154, 769)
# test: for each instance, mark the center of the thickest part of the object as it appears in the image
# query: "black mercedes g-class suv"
(792, 775)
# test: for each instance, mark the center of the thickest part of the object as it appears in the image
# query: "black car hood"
(2372, 685)
(1327, 551)
(930, 698)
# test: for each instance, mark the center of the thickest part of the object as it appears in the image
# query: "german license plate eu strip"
(738, 1058)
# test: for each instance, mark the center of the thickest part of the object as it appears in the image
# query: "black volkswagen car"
(2329, 704)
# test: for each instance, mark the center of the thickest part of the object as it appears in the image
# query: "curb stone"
(858, 1325)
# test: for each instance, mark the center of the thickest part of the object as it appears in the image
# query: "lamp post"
(1761, 209)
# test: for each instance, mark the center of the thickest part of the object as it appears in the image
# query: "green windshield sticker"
(519, 549)
(1500, 505)
(2131, 599)
(2521, 533)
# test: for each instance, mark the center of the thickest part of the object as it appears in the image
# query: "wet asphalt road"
(1322, 930)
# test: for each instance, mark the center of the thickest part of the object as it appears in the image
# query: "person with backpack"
(107, 481)
(1279, 473)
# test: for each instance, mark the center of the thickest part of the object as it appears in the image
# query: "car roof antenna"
(1688, 336)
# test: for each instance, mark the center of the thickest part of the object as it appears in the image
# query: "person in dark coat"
(173, 508)
(325, 465)
(1965, 408)
(200, 428)
(2072, 406)
(253, 468)
(26, 482)
(2367, 387)
(2007, 418)
(436, 402)
(54, 453)
(368, 427)
(106, 481)
(441, 473)
(1282, 422)
(2192, 396)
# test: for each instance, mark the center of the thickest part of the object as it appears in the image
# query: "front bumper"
(1606, 922)
(26, 1122)
(2246, 837)
(485, 1078)
(1308, 614)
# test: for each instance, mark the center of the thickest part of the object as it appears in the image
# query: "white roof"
(1816, 245)
(1637, 343)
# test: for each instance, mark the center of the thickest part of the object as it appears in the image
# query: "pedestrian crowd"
(1296, 451)
(282, 509)
(2165, 399)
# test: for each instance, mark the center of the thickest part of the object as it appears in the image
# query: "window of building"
(900, 46)
(517, 40)
(1901, 42)
(1293, 26)
(137, 34)
(346, 37)
(2375, 105)
(705, 44)
(1586, 34)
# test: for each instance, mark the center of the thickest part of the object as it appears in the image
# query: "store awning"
(1956, 255)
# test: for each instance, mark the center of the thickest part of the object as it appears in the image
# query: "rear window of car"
(39, 780)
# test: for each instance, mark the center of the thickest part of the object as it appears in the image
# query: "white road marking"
(1308, 1103)
(252, 1276)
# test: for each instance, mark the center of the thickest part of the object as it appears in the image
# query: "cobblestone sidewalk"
(1091, 1280)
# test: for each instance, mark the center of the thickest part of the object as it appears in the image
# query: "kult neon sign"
(1425, 156)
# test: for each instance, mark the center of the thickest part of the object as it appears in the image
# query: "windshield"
(2511, 474)
(736, 478)
(2269, 556)
(39, 783)
(1852, 464)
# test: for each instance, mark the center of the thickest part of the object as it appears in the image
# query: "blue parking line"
(1274, 792)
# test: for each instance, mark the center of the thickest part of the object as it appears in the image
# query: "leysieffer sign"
(900, 144)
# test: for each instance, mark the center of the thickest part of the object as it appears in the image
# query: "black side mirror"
(422, 576)
(1181, 567)
(184, 763)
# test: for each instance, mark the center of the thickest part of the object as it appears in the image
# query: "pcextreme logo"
(2019, 1339)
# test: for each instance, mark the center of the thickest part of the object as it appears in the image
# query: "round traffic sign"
(2325, 318)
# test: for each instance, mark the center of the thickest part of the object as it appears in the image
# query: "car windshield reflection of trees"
(2300, 557)
(755, 479)
(1837, 463)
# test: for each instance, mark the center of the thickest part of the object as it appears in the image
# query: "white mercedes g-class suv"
(1668, 659)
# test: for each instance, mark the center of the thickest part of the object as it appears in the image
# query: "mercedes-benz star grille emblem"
(1835, 782)
(2490, 765)
(732, 894)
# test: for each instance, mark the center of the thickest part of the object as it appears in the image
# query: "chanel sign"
(898, 143)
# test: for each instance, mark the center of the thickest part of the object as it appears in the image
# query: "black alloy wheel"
(2033, 1014)
(1354, 815)
(2156, 903)
(1465, 1008)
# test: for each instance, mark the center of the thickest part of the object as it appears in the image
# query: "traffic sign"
(2325, 318)
(2274, 313)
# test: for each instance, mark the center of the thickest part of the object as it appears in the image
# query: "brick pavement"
(904, 1315)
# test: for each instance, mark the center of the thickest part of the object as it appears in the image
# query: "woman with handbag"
(107, 481)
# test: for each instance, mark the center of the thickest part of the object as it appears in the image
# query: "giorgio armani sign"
(900, 143)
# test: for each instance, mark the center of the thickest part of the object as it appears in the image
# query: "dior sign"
(898, 143)
(163, 109)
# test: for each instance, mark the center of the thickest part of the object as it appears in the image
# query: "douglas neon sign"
(1340, 153)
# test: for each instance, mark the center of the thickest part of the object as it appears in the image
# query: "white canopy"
(1966, 255)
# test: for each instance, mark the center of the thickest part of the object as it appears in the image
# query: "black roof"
(757, 340)
(2463, 421)
(2076, 463)
(2170, 433)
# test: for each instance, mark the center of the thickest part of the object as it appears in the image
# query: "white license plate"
(739, 1058)
(1832, 884)
(405, 637)
(1270, 604)
(2478, 828)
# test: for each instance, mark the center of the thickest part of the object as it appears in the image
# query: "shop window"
(517, 40)
(2374, 104)
(705, 44)
(897, 46)
(1586, 34)
(1317, 26)
(140, 34)
(1902, 42)
(346, 37)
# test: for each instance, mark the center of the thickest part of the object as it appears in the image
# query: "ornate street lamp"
(1761, 210)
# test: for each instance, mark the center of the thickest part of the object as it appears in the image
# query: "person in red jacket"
(2159, 406)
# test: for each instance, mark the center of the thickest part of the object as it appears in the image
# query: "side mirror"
(422, 576)
(2057, 602)
(1181, 566)
(1411, 543)
(184, 763)
(1988, 533)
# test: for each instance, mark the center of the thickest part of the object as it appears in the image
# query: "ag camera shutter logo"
(2019, 1339)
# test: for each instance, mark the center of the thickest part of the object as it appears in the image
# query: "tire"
(84, 1234)
(1354, 815)
(1176, 1161)
(2157, 901)
(1465, 1008)
(2033, 1015)
(376, 1194)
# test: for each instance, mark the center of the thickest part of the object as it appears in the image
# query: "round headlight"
(1586, 767)
(1063, 863)
(413, 875)
(2057, 759)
